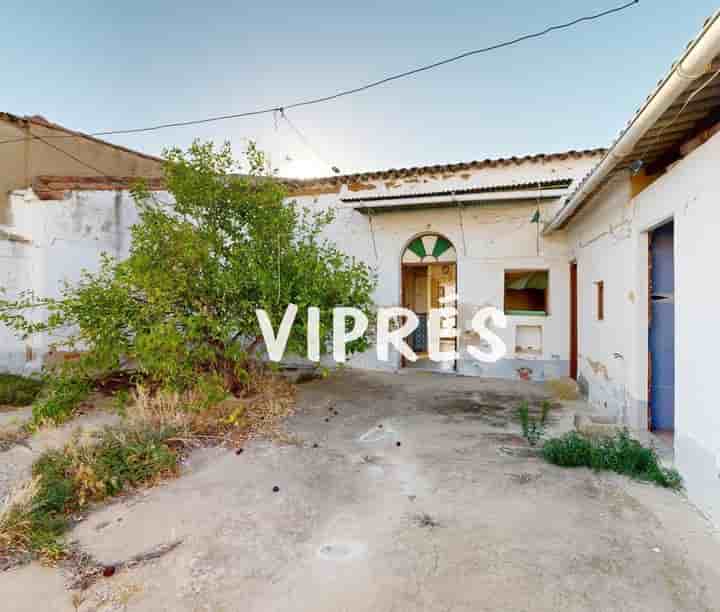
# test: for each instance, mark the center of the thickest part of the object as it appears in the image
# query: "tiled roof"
(395, 173)
(55, 187)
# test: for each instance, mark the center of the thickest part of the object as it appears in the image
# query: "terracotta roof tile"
(303, 184)
(56, 187)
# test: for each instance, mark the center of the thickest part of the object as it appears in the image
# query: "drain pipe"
(694, 63)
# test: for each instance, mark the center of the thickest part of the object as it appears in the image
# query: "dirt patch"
(492, 409)
(504, 438)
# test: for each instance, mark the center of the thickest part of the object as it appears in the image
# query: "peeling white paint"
(610, 242)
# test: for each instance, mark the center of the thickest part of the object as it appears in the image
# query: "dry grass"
(15, 523)
(230, 420)
(141, 452)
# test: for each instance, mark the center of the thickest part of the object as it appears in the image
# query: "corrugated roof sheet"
(537, 185)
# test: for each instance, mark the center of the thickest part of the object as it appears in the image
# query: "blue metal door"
(662, 329)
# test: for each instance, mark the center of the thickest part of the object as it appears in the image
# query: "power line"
(75, 158)
(348, 92)
(304, 139)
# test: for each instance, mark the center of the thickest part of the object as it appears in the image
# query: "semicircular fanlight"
(429, 248)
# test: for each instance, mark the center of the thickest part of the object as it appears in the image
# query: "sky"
(132, 64)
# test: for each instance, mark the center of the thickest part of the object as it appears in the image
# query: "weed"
(18, 390)
(620, 453)
(120, 401)
(202, 414)
(65, 481)
(139, 453)
(15, 524)
(60, 399)
(533, 429)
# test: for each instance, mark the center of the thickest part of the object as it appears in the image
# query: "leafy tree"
(182, 304)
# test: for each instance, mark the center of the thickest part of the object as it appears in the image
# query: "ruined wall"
(23, 160)
(688, 194)
(52, 241)
(489, 238)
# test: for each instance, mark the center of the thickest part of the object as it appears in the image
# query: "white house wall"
(64, 236)
(603, 245)
(60, 238)
(688, 194)
(488, 237)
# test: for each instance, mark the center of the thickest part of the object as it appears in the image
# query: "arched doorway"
(429, 280)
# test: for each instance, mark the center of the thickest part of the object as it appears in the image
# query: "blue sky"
(131, 64)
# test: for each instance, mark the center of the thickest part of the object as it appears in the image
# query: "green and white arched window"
(429, 248)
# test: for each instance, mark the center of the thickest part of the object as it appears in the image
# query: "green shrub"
(620, 453)
(570, 450)
(18, 390)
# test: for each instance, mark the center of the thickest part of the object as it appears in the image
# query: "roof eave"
(694, 63)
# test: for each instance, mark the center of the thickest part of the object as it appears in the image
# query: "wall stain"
(598, 368)
(10, 237)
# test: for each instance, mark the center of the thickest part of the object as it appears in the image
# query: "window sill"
(526, 313)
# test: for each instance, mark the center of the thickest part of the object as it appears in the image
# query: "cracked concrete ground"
(406, 503)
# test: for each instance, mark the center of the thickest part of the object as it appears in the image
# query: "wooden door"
(573, 321)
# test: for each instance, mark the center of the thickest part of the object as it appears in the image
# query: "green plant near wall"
(18, 390)
(620, 453)
(533, 428)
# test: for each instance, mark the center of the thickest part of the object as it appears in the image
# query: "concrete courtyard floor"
(404, 500)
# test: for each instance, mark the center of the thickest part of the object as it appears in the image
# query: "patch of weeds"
(60, 399)
(146, 449)
(15, 522)
(619, 453)
(66, 481)
(533, 428)
(120, 401)
(18, 390)
(202, 415)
